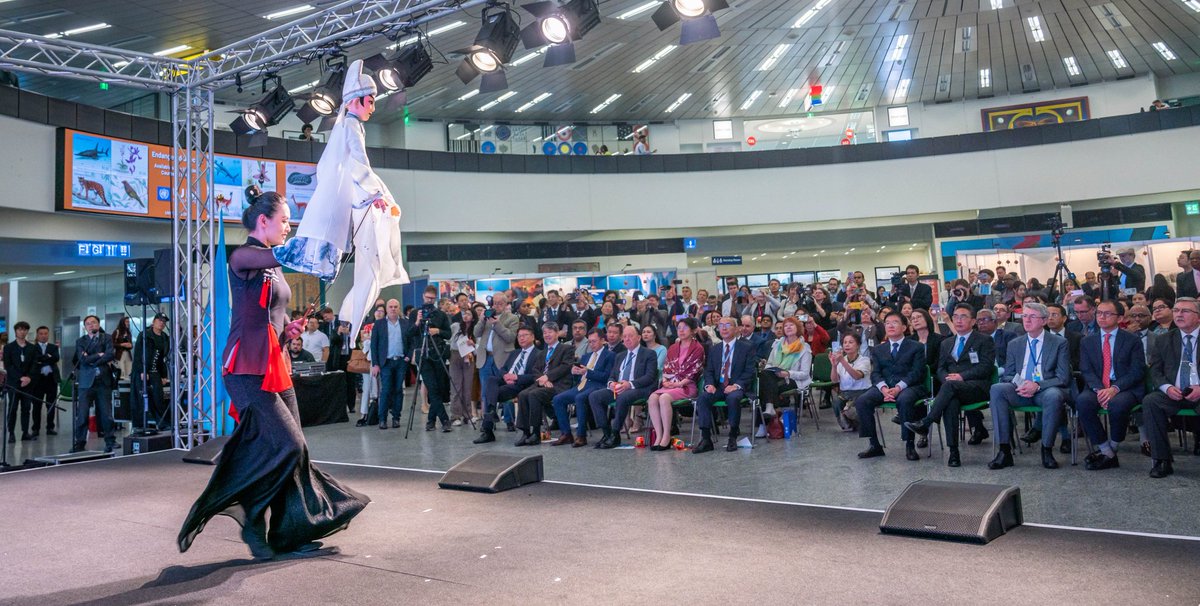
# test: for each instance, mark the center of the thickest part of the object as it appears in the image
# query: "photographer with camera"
(432, 324)
(962, 292)
(911, 290)
(1124, 275)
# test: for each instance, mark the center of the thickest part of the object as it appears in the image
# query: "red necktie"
(1107, 353)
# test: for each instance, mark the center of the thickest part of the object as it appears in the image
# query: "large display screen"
(98, 174)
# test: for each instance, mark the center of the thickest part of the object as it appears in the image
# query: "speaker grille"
(954, 510)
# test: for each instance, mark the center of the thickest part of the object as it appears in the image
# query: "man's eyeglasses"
(1105, 314)
(1159, 308)
(1139, 315)
(724, 324)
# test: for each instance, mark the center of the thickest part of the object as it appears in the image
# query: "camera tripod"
(419, 358)
(1061, 271)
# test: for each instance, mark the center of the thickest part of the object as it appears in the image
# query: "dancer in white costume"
(350, 202)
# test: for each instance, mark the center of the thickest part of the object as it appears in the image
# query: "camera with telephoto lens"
(897, 278)
(1104, 257)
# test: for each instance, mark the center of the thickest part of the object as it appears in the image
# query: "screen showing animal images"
(98, 174)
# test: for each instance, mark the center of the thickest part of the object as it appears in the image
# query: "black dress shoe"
(657, 448)
(1002, 460)
(35, 435)
(731, 444)
(896, 420)
(705, 445)
(917, 427)
(922, 442)
(534, 439)
(954, 460)
(872, 452)
(910, 452)
(1031, 436)
(1065, 447)
(361, 422)
(1161, 469)
(1092, 457)
(602, 442)
(608, 443)
(977, 437)
(430, 426)
(446, 429)
(51, 432)
(1048, 458)
(26, 437)
(510, 427)
(1104, 462)
(484, 438)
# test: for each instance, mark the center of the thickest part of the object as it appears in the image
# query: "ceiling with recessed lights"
(864, 53)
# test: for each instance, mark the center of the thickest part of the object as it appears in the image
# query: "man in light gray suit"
(494, 339)
(1037, 371)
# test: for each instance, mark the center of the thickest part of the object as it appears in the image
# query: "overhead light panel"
(750, 100)
(453, 25)
(79, 30)
(468, 95)
(900, 47)
(639, 9)
(698, 22)
(787, 99)
(535, 101)
(1035, 28)
(494, 46)
(267, 111)
(560, 26)
(1072, 66)
(1192, 4)
(985, 78)
(173, 50)
(997, 4)
(607, 102)
(497, 101)
(303, 87)
(1164, 52)
(1117, 59)
(774, 57)
(684, 97)
(810, 13)
(527, 57)
(902, 88)
(288, 12)
(645, 65)
(326, 98)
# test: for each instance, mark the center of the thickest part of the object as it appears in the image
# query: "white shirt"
(314, 343)
(520, 365)
(1037, 350)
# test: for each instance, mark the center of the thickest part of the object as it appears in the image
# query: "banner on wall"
(108, 175)
(1035, 114)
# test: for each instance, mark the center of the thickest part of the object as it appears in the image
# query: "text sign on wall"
(729, 260)
(103, 249)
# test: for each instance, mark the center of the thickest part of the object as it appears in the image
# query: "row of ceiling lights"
(819, 253)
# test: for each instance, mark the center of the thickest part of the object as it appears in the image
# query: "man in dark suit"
(46, 376)
(93, 352)
(19, 358)
(556, 377)
(612, 339)
(1128, 276)
(556, 311)
(391, 351)
(432, 366)
(589, 374)
(522, 368)
(728, 375)
(897, 375)
(1187, 280)
(1037, 371)
(582, 308)
(1114, 368)
(985, 322)
(1175, 381)
(1056, 319)
(965, 367)
(633, 377)
(913, 291)
(1085, 316)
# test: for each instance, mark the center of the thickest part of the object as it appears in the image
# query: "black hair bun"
(252, 193)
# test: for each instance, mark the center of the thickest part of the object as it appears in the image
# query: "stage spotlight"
(494, 46)
(698, 25)
(326, 98)
(403, 71)
(559, 26)
(265, 112)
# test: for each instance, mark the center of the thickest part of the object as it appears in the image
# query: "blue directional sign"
(103, 249)
(728, 260)
(689, 243)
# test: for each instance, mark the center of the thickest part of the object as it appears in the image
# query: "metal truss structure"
(191, 85)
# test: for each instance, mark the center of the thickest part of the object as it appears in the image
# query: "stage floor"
(104, 532)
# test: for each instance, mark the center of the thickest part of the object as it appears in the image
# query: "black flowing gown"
(264, 467)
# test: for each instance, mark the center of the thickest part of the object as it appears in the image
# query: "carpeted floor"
(103, 533)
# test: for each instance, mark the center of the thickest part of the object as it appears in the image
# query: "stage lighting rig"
(494, 46)
(698, 25)
(326, 98)
(402, 71)
(267, 111)
(559, 26)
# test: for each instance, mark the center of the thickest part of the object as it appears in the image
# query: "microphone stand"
(8, 392)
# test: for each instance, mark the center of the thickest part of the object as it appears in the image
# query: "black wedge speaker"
(493, 472)
(954, 511)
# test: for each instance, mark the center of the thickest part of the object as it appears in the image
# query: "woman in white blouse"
(851, 369)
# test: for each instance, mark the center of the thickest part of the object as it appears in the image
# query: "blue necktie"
(1031, 363)
(1185, 378)
(958, 350)
(549, 352)
(627, 365)
(895, 349)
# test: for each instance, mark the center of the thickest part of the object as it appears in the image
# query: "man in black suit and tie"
(520, 370)
(46, 376)
(1056, 319)
(558, 358)
(19, 358)
(1188, 279)
(728, 375)
(93, 352)
(1114, 368)
(556, 311)
(589, 374)
(897, 375)
(965, 367)
(1037, 370)
(1176, 384)
(634, 377)
(912, 291)
(391, 351)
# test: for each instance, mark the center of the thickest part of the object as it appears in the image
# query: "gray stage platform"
(103, 533)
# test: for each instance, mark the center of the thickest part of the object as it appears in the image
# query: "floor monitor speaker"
(207, 453)
(493, 472)
(956, 511)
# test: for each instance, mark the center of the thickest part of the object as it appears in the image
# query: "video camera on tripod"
(1105, 259)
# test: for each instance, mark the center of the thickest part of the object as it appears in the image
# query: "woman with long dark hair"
(123, 345)
(264, 465)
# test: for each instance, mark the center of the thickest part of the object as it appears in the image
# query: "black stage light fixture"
(559, 26)
(494, 46)
(404, 70)
(699, 24)
(265, 112)
(326, 98)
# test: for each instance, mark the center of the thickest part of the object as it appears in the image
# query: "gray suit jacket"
(92, 357)
(1055, 361)
(505, 328)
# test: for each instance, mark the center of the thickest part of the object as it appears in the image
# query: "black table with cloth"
(321, 398)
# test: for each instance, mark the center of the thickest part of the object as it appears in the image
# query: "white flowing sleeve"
(367, 185)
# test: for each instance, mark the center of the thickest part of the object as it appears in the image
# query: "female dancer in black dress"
(264, 465)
